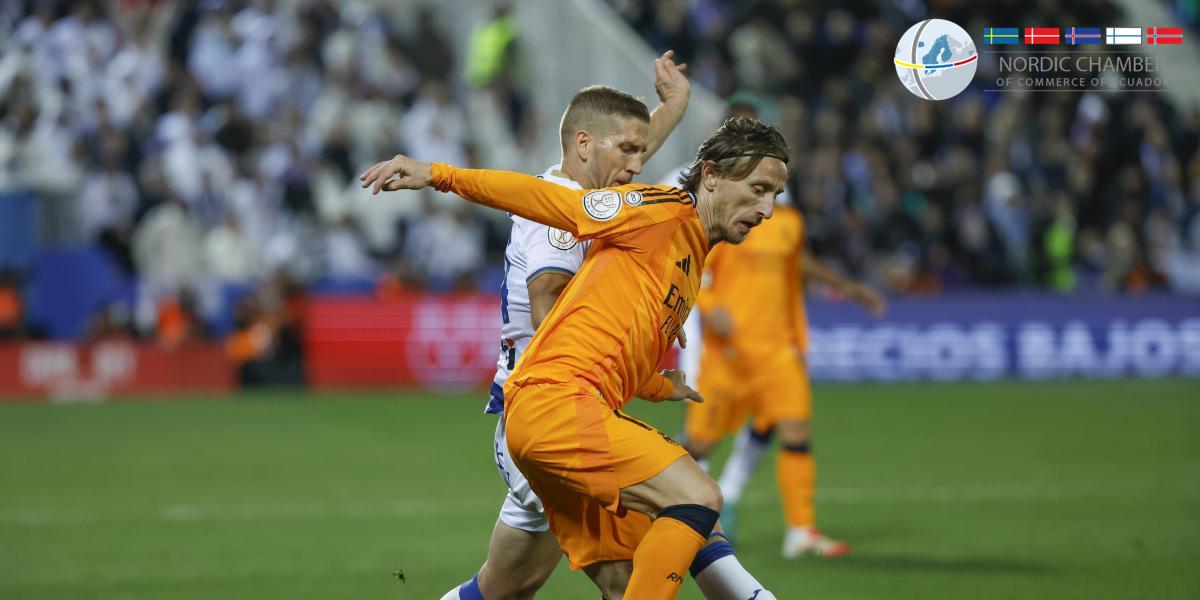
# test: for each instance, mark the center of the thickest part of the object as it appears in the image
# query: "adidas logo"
(685, 263)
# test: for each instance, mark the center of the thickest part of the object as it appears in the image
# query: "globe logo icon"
(936, 59)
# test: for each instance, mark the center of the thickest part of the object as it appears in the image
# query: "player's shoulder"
(639, 194)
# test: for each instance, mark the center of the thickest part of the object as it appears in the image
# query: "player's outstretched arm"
(587, 214)
(866, 296)
(674, 91)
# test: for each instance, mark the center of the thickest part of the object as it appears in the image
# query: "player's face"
(741, 204)
(616, 156)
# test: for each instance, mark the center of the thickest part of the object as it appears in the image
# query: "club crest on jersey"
(602, 205)
(563, 240)
(633, 198)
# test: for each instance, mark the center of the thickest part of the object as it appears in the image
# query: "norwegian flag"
(1160, 36)
(1041, 35)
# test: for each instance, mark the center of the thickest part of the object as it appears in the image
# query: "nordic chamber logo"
(936, 59)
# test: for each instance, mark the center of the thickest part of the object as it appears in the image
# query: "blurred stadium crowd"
(215, 145)
(1070, 192)
(209, 144)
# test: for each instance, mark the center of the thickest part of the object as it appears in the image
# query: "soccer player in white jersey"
(606, 139)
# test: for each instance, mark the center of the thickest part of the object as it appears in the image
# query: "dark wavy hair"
(735, 150)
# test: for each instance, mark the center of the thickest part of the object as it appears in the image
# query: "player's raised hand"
(399, 173)
(681, 390)
(869, 298)
(669, 81)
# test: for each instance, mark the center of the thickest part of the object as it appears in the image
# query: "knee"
(704, 492)
(699, 449)
(793, 433)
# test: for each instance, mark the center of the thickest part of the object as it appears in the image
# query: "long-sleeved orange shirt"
(621, 312)
(760, 282)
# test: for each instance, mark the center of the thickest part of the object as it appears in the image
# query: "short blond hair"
(592, 109)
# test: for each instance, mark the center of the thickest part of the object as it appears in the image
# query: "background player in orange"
(601, 342)
(752, 362)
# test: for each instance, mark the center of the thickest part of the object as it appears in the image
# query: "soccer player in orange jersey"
(752, 363)
(600, 344)
(606, 137)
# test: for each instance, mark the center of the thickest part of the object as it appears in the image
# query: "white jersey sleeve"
(549, 249)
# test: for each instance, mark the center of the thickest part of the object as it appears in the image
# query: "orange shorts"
(771, 385)
(577, 453)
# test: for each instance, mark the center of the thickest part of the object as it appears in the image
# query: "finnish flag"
(1122, 35)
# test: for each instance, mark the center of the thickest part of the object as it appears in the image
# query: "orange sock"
(661, 561)
(795, 471)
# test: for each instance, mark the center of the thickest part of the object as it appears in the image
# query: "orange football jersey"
(621, 312)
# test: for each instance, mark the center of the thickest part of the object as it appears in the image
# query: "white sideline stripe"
(441, 507)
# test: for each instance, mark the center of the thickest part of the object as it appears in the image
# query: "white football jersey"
(532, 249)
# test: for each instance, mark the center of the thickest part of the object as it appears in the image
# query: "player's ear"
(583, 143)
(708, 175)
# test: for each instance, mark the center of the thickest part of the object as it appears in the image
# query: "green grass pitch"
(997, 490)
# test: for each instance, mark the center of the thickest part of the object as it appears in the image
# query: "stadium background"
(179, 221)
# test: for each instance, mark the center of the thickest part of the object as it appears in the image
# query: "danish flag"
(1041, 35)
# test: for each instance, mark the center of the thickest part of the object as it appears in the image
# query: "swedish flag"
(1002, 35)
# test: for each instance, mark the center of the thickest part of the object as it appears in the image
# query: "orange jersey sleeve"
(588, 214)
(655, 389)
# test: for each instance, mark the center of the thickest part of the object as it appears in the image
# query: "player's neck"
(704, 209)
(577, 172)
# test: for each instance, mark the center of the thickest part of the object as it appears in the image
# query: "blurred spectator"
(230, 255)
(12, 306)
(178, 322)
(266, 343)
(111, 323)
(445, 246)
(167, 248)
(435, 128)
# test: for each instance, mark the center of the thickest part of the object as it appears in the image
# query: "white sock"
(743, 461)
(727, 579)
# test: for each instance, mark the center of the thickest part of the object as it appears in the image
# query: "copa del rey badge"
(602, 205)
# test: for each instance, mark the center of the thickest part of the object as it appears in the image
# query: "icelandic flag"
(1122, 35)
(1041, 35)
(1164, 35)
(1001, 35)
(1079, 36)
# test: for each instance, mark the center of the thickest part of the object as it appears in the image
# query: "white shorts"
(522, 508)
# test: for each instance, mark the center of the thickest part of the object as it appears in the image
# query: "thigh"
(781, 390)
(568, 441)
(522, 509)
(588, 533)
(577, 454)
